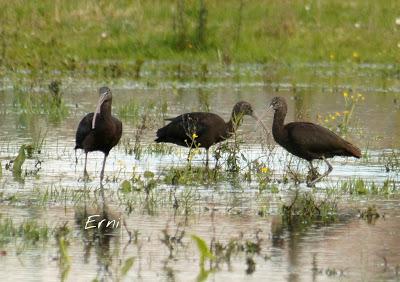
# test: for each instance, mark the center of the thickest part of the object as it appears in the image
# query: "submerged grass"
(305, 208)
(361, 187)
(29, 103)
(29, 231)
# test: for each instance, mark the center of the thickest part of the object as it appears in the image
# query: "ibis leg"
(102, 169)
(207, 157)
(85, 173)
(310, 184)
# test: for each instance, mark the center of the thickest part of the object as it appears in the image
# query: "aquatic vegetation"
(231, 152)
(19, 161)
(145, 183)
(192, 175)
(62, 237)
(370, 214)
(203, 249)
(205, 253)
(50, 104)
(129, 110)
(158, 149)
(29, 231)
(263, 174)
(305, 208)
(361, 187)
(24, 152)
(173, 242)
(38, 141)
(58, 194)
(137, 148)
(342, 121)
(390, 160)
(128, 263)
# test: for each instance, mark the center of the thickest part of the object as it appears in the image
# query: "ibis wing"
(84, 128)
(312, 137)
(187, 124)
(194, 123)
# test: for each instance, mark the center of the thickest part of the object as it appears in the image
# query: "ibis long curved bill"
(259, 122)
(98, 108)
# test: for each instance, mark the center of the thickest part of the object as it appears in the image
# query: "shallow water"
(52, 191)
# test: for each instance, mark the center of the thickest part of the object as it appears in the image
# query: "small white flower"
(398, 44)
(357, 25)
(398, 21)
(307, 7)
(103, 34)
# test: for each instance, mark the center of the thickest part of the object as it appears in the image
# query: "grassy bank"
(57, 34)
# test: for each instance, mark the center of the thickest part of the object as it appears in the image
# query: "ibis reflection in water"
(307, 140)
(201, 129)
(99, 131)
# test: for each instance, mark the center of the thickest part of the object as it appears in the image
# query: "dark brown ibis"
(200, 129)
(307, 140)
(99, 131)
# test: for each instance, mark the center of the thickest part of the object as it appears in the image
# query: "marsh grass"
(28, 231)
(343, 121)
(34, 36)
(18, 162)
(193, 175)
(370, 213)
(361, 187)
(158, 149)
(58, 194)
(391, 160)
(63, 241)
(217, 253)
(49, 104)
(305, 208)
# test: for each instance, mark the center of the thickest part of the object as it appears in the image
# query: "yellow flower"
(265, 170)
(345, 94)
(194, 136)
(356, 55)
(332, 56)
(346, 112)
(333, 117)
(337, 114)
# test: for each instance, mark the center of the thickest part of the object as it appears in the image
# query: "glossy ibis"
(203, 130)
(307, 140)
(99, 131)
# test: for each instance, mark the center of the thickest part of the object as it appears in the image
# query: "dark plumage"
(201, 129)
(101, 133)
(307, 140)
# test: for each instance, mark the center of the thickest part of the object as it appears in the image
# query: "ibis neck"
(279, 120)
(105, 110)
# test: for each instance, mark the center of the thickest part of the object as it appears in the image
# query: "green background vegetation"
(57, 34)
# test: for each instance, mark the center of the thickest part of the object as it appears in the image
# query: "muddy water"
(51, 190)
